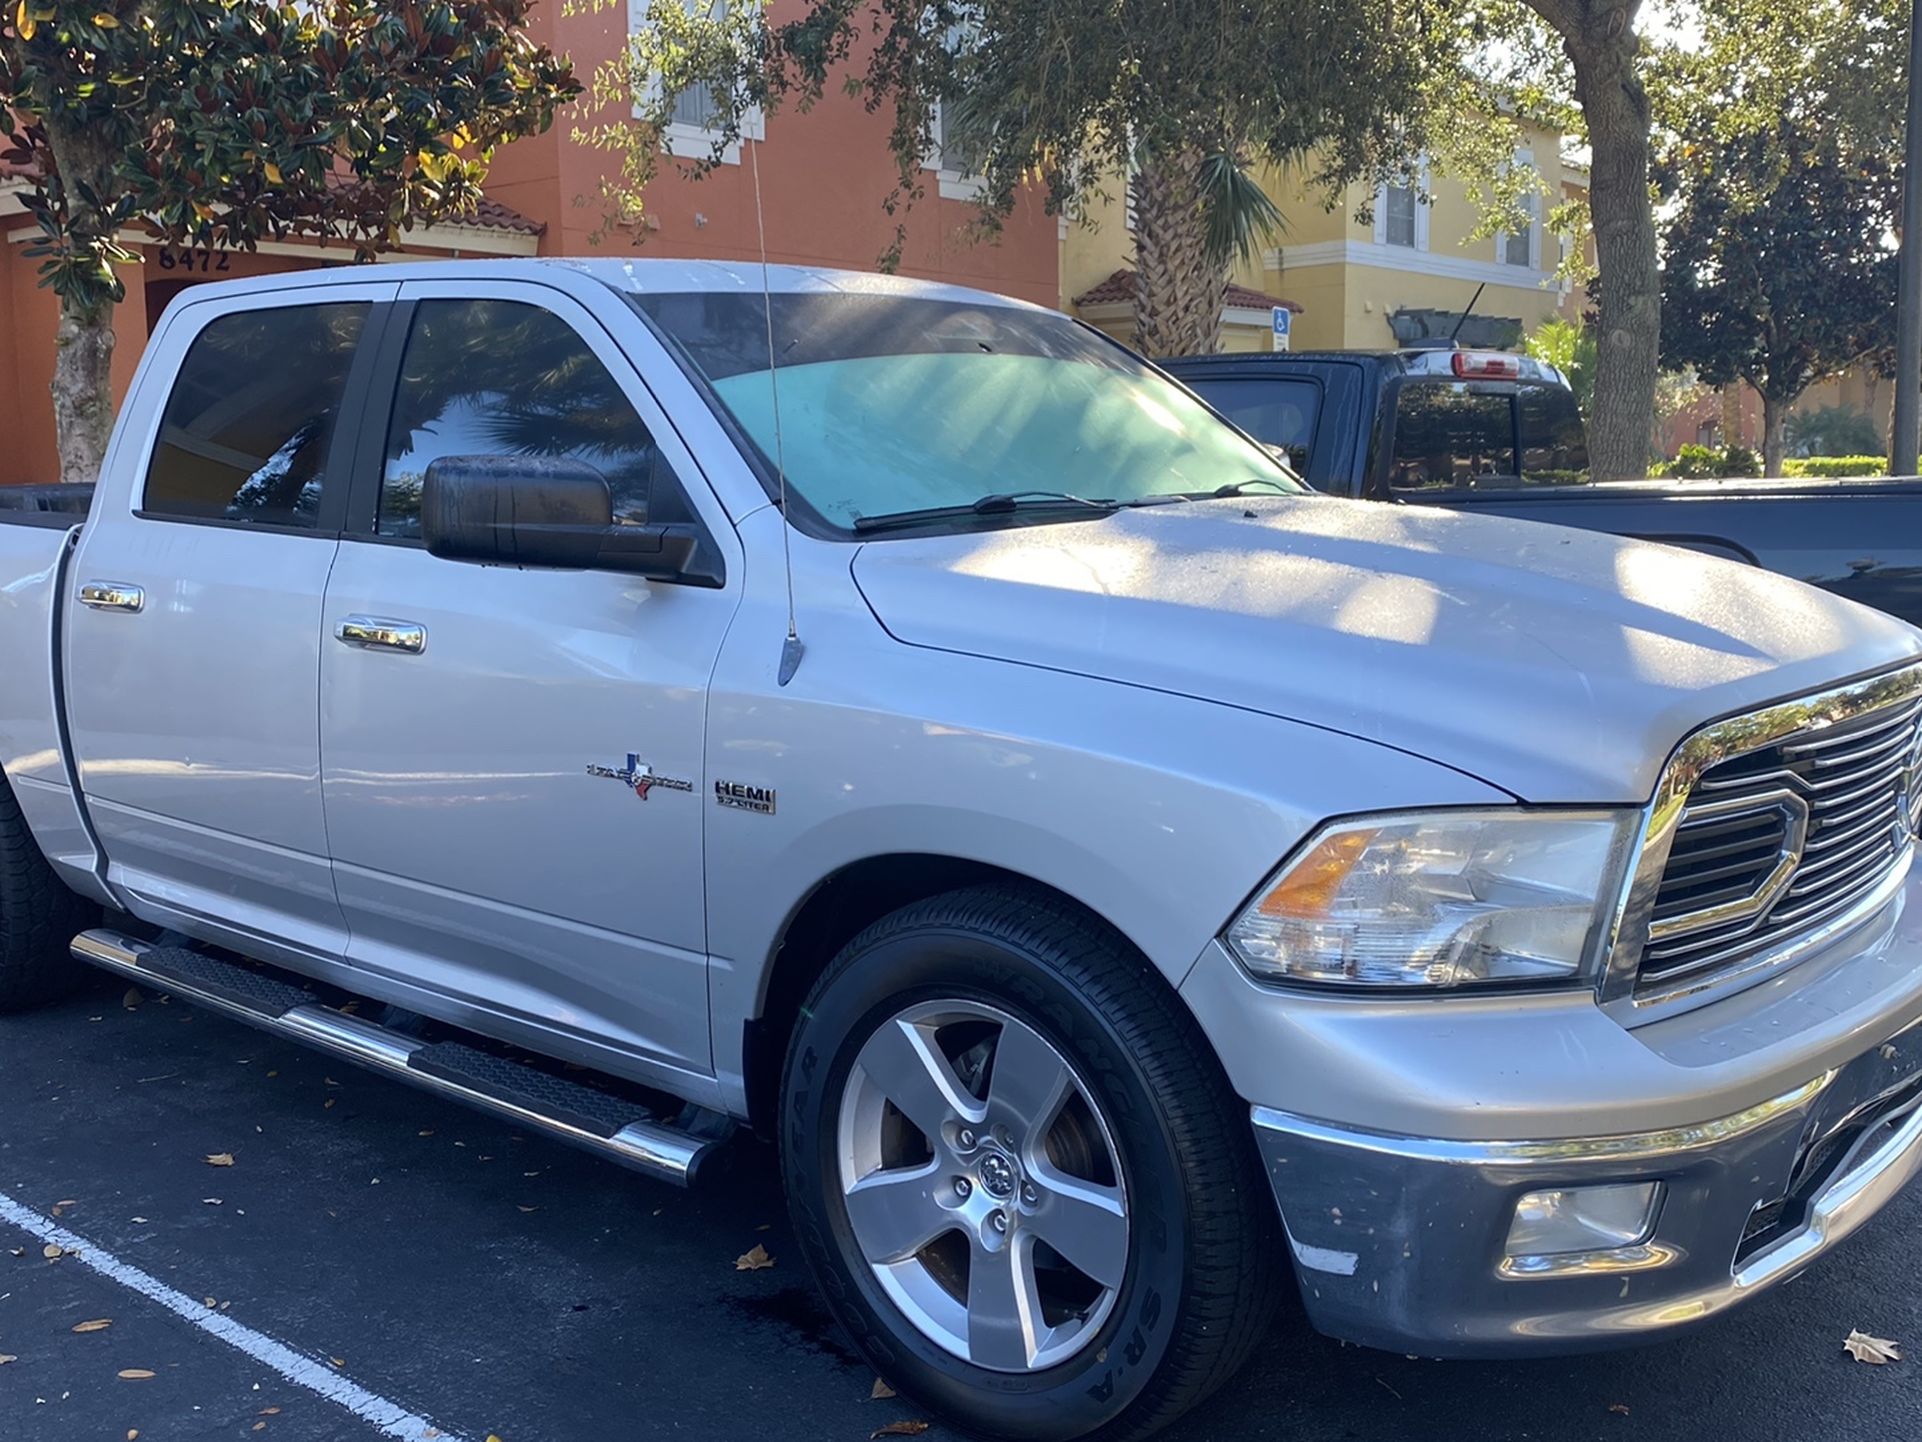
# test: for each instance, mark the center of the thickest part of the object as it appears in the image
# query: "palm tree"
(1195, 215)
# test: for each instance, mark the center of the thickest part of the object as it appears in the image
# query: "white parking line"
(390, 1418)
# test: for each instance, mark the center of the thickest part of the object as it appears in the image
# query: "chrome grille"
(1779, 836)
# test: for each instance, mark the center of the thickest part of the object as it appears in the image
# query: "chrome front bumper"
(1401, 1242)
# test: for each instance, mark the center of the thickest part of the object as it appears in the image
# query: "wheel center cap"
(997, 1175)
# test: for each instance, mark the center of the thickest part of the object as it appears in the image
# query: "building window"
(1398, 215)
(1523, 248)
(957, 168)
(691, 132)
(1401, 213)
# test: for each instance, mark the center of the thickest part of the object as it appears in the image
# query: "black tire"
(39, 917)
(1205, 1269)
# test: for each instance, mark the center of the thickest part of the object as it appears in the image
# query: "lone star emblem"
(639, 778)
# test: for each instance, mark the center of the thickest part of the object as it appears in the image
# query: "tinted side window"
(245, 434)
(1450, 435)
(1275, 412)
(1554, 443)
(499, 377)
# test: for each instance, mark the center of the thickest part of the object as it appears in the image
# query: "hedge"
(1818, 467)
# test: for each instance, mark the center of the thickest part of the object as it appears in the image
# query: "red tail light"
(1470, 365)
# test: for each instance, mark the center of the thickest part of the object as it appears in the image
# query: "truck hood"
(1559, 665)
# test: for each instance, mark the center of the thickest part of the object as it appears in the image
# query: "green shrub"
(1817, 467)
(1692, 462)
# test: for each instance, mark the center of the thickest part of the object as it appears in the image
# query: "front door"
(193, 631)
(513, 759)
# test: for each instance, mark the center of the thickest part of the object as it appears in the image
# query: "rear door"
(193, 640)
(514, 771)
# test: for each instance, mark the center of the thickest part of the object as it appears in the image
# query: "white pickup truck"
(1132, 888)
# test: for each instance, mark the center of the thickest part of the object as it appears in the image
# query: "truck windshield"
(892, 404)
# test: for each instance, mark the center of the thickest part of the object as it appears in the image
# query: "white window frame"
(1524, 160)
(693, 142)
(954, 184)
(1422, 208)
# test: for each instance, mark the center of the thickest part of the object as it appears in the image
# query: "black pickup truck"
(1498, 433)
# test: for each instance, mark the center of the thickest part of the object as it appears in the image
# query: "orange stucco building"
(824, 176)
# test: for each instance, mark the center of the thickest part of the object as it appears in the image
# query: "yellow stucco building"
(1404, 277)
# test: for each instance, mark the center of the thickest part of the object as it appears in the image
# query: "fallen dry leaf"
(327, 1104)
(430, 1432)
(17, 1251)
(338, 1361)
(880, 1390)
(220, 1159)
(492, 1438)
(1875, 1350)
(6, 1357)
(1620, 1409)
(67, 1202)
(52, 1252)
(132, 999)
(135, 1374)
(268, 1412)
(900, 1429)
(132, 1432)
(208, 1300)
(754, 1261)
(98, 1324)
(259, 1427)
(211, 1201)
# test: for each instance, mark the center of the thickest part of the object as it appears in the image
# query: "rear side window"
(1452, 435)
(1275, 412)
(1554, 443)
(500, 377)
(245, 433)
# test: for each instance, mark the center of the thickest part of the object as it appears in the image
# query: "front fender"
(1159, 813)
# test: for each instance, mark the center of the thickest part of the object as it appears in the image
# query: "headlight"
(1440, 899)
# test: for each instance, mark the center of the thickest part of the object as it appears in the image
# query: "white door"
(193, 633)
(515, 790)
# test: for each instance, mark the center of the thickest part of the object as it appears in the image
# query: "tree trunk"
(1599, 38)
(1177, 289)
(82, 388)
(1775, 416)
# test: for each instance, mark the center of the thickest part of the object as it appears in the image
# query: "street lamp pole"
(1906, 430)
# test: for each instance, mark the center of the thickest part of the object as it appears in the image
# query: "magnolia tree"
(1181, 103)
(223, 123)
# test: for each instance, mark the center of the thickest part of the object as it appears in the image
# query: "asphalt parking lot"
(418, 1265)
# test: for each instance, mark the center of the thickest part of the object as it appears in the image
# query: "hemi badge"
(743, 797)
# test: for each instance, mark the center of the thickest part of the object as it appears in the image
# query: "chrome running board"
(597, 1121)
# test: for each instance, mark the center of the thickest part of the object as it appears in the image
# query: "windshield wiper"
(998, 503)
(1240, 488)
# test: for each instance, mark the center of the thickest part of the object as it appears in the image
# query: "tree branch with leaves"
(1183, 104)
(222, 123)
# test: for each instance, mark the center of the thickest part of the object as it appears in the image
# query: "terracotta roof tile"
(1119, 289)
(492, 215)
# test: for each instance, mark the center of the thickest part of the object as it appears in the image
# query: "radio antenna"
(791, 649)
(1462, 319)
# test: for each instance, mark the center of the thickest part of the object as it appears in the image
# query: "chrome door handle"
(112, 596)
(375, 634)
